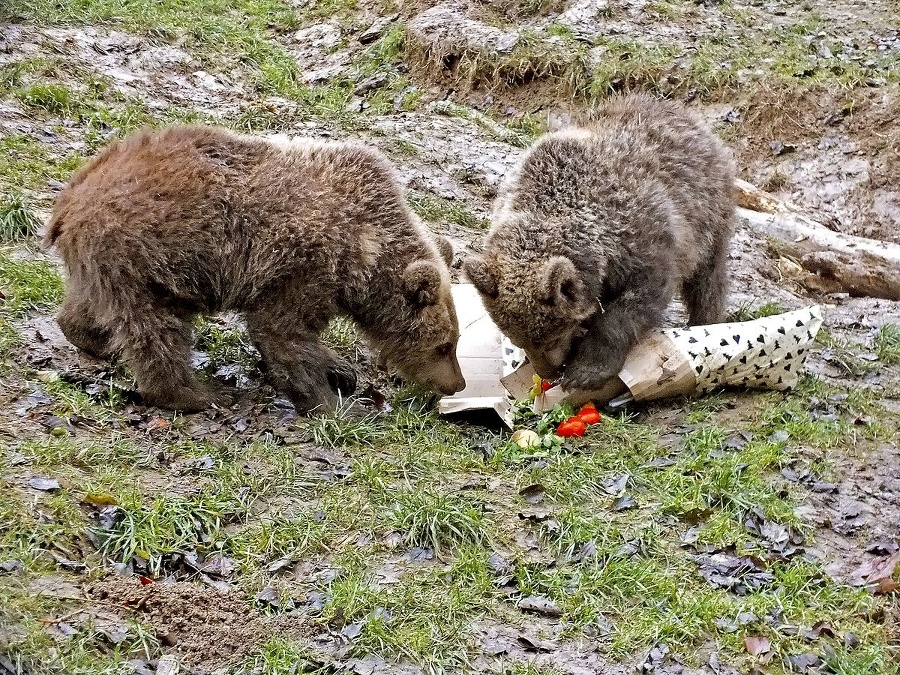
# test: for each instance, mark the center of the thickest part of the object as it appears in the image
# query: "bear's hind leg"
(157, 345)
(77, 321)
(298, 363)
(705, 291)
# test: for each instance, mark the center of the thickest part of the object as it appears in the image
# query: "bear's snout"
(447, 378)
(452, 388)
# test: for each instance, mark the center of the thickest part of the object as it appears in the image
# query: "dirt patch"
(833, 153)
(206, 628)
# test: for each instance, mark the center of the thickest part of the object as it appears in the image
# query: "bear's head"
(420, 340)
(541, 305)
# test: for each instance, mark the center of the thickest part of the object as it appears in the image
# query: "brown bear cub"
(168, 225)
(596, 228)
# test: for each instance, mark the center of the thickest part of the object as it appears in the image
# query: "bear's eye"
(444, 350)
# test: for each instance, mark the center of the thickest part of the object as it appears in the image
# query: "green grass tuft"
(747, 312)
(887, 343)
(438, 519)
(438, 209)
(28, 285)
(17, 219)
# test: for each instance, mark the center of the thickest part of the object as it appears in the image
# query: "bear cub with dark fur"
(596, 228)
(168, 225)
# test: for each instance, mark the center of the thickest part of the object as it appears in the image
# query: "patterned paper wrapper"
(766, 353)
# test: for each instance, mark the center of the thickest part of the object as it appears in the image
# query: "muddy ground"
(245, 539)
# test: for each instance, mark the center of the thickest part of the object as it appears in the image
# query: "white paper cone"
(764, 353)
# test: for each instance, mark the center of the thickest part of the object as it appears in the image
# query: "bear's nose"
(450, 389)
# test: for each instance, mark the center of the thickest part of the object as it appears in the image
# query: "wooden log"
(833, 261)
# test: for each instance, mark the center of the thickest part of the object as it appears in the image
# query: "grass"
(412, 528)
(17, 219)
(434, 633)
(278, 656)
(294, 537)
(27, 286)
(417, 477)
(747, 312)
(208, 26)
(224, 345)
(87, 650)
(151, 529)
(27, 164)
(436, 520)
(54, 99)
(439, 209)
(843, 354)
(887, 343)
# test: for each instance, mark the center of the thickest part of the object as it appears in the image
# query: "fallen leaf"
(268, 596)
(803, 662)
(587, 551)
(158, 424)
(740, 575)
(624, 503)
(204, 463)
(756, 645)
(109, 516)
(493, 647)
(116, 635)
(279, 564)
(615, 486)
(44, 484)
(351, 631)
(540, 605)
(876, 574)
(738, 441)
(690, 536)
(779, 437)
(537, 514)
(659, 463)
(67, 564)
(218, 565)
(10, 566)
(535, 644)
(420, 554)
(99, 499)
(533, 494)
(167, 665)
(817, 630)
(655, 658)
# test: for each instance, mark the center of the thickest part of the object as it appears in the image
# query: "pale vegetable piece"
(526, 438)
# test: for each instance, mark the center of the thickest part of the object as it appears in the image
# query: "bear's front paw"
(586, 377)
(342, 378)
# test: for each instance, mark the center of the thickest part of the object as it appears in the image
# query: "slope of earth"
(734, 533)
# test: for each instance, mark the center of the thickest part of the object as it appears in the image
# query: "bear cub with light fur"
(168, 225)
(596, 228)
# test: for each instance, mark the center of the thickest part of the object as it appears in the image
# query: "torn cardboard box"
(485, 357)
(764, 353)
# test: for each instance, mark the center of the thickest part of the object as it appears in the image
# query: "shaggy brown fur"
(596, 228)
(167, 225)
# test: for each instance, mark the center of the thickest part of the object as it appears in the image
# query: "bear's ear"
(481, 275)
(422, 283)
(560, 283)
(445, 248)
